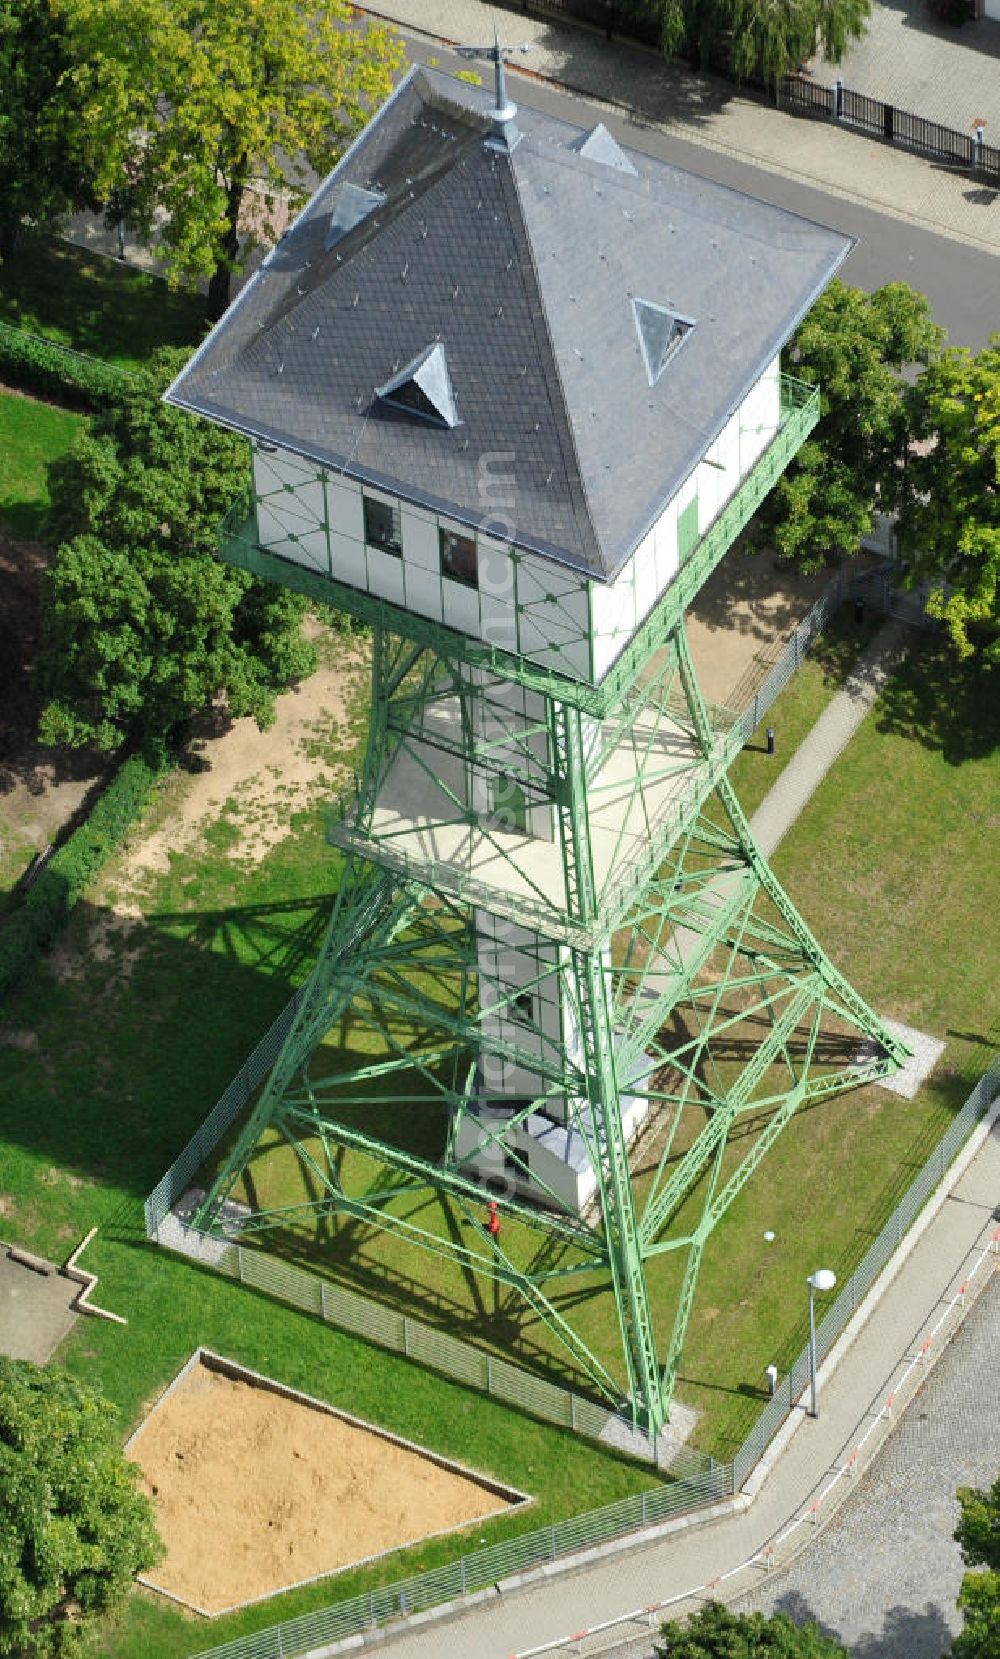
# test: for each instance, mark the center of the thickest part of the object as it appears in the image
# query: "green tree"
(950, 519)
(196, 102)
(42, 167)
(764, 38)
(978, 1532)
(74, 1531)
(716, 1633)
(854, 346)
(143, 626)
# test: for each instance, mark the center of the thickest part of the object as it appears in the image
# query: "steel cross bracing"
(683, 977)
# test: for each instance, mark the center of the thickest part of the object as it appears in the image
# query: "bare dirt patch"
(255, 1492)
(742, 617)
(41, 790)
(258, 780)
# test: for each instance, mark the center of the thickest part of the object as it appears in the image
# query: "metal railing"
(803, 96)
(901, 127)
(479, 1569)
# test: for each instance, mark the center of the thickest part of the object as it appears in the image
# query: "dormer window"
(661, 333)
(423, 388)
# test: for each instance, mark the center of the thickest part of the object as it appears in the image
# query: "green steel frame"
(686, 975)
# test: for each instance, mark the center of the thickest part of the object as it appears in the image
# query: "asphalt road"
(961, 282)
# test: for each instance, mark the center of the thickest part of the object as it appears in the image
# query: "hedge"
(46, 907)
(38, 365)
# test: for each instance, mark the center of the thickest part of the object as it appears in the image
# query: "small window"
(382, 526)
(458, 558)
(510, 804)
(522, 1008)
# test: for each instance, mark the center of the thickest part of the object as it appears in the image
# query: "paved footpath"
(882, 1357)
(522, 1621)
(885, 1575)
(815, 1467)
(707, 111)
(828, 738)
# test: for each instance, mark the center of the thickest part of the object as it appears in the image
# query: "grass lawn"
(800, 704)
(110, 1057)
(117, 1048)
(875, 1141)
(96, 304)
(31, 435)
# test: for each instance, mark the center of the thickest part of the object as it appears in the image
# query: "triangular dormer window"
(661, 333)
(423, 388)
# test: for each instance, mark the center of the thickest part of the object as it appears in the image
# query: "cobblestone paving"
(885, 1575)
(712, 113)
(907, 59)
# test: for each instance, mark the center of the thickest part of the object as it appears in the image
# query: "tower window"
(522, 1008)
(383, 528)
(458, 558)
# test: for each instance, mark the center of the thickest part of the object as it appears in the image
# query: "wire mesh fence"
(711, 1482)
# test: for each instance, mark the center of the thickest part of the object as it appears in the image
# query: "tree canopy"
(716, 1633)
(765, 38)
(978, 1532)
(42, 168)
(143, 626)
(192, 105)
(854, 345)
(74, 1531)
(949, 524)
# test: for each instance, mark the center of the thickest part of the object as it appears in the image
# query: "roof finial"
(505, 134)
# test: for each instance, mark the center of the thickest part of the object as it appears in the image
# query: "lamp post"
(822, 1279)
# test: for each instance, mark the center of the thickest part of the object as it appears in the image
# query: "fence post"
(406, 1336)
(838, 99)
(239, 1262)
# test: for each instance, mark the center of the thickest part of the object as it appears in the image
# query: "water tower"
(512, 391)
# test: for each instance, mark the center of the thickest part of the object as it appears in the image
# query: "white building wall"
(510, 959)
(620, 606)
(523, 603)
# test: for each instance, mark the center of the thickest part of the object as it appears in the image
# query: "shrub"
(37, 365)
(45, 908)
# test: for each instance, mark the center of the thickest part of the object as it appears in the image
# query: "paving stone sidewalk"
(708, 111)
(932, 69)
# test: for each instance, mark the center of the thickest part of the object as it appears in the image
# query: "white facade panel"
(461, 606)
(620, 607)
(350, 563)
(344, 507)
(420, 540)
(385, 575)
(423, 592)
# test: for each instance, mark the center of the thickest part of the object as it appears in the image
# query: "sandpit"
(257, 1488)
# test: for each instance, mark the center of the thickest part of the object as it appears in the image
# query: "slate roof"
(524, 266)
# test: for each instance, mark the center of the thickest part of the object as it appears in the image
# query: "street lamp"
(822, 1279)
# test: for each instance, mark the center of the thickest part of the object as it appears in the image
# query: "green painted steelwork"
(800, 409)
(594, 823)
